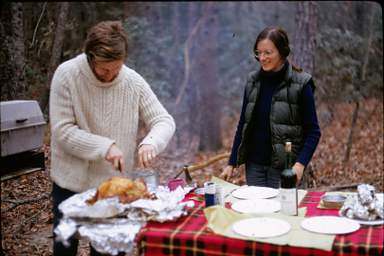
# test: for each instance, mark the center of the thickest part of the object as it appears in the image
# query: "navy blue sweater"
(260, 145)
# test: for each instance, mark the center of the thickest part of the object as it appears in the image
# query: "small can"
(219, 195)
(209, 193)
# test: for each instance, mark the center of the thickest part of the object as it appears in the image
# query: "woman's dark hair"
(279, 38)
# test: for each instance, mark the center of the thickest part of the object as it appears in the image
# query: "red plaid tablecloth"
(190, 236)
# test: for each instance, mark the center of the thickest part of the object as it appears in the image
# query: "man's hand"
(115, 157)
(146, 155)
(227, 172)
(299, 169)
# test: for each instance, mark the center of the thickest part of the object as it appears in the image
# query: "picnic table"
(190, 235)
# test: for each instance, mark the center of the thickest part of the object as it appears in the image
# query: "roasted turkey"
(126, 189)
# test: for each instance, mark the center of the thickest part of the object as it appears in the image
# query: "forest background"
(196, 57)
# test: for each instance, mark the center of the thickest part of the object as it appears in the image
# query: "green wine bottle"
(288, 190)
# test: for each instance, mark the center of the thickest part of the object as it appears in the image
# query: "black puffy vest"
(285, 116)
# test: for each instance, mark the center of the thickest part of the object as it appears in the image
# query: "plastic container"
(150, 177)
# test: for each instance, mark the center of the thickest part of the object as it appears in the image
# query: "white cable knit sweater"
(87, 116)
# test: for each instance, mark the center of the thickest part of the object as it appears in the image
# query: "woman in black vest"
(278, 106)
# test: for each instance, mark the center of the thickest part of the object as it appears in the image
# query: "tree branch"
(198, 166)
(56, 52)
(24, 201)
(187, 61)
(37, 25)
(357, 87)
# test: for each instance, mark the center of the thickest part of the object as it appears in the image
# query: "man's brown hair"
(106, 41)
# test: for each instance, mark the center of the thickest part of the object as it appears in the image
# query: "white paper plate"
(370, 222)
(330, 225)
(367, 222)
(257, 206)
(262, 227)
(253, 192)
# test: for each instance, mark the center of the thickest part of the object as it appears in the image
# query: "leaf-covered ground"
(26, 218)
(365, 164)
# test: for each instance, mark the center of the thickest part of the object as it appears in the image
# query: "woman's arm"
(311, 128)
(238, 135)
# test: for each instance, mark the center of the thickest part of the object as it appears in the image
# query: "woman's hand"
(227, 172)
(146, 155)
(115, 157)
(299, 169)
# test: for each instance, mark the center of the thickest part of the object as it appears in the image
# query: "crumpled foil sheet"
(112, 238)
(364, 206)
(65, 229)
(112, 226)
(76, 206)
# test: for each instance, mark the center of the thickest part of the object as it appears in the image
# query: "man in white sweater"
(95, 106)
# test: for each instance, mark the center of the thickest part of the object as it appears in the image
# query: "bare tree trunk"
(138, 9)
(90, 10)
(192, 15)
(304, 56)
(12, 52)
(357, 94)
(56, 51)
(176, 23)
(198, 93)
(18, 48)
(7, 76)
(186, 95)
(158, 16)
(188, 48)
(351, 130)
(206, 74)
(305, 35)
(129, 8)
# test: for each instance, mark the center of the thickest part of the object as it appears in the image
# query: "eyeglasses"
(267, 53)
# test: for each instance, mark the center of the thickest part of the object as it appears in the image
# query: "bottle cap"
(209, 187)
(288, 146)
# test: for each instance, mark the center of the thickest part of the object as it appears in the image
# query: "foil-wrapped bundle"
(112, 238)
(365, 194)
(76, 206)
(364, 206)
(112, 226)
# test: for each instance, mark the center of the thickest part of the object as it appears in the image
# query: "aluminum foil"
(65, 229)
(364, 206)
(366, 194)
(76, 206)
(112, 238)
(112, 226)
